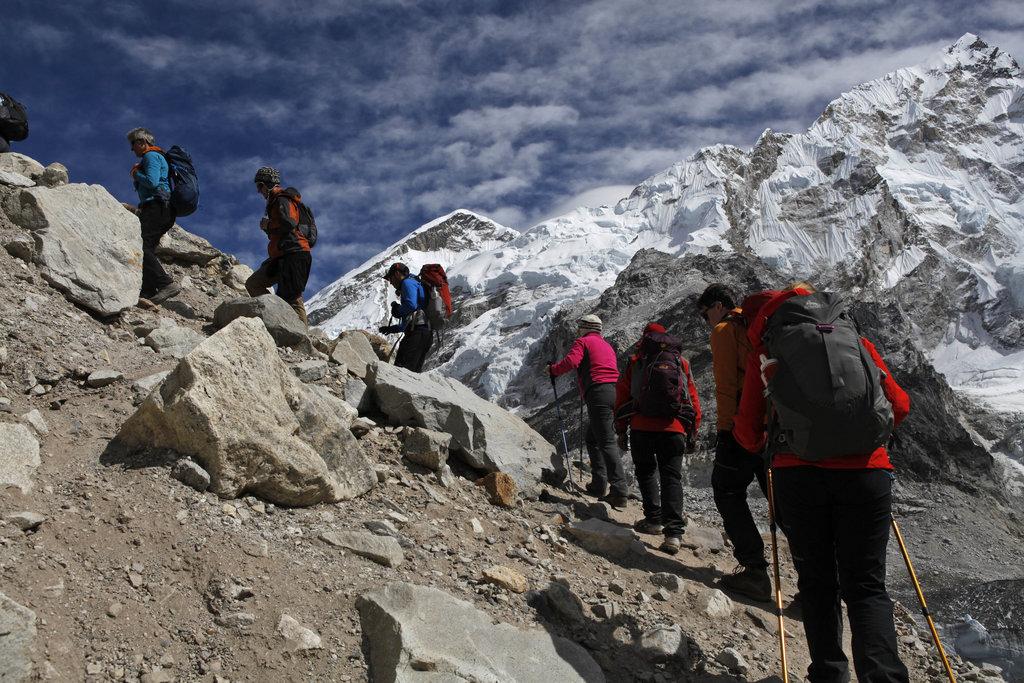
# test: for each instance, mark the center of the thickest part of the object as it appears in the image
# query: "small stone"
(35, 420)
(114, 610)
(716, 604)
(507, 578)
(616, 587)
(189, 472)
(256, 549)
(26, 521)
(605, 610)
(310, 370)
(732, 660)
(445, 477)
(381, 549)
(663, 595)
(664, 643)
(101, 378)
(136, 580)
(238, 620)
(667, 580)
(296, 636)
(94, 668)
(426, 447)
(478, 528)
(501, 489)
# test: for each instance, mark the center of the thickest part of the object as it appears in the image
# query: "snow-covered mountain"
(909, 189)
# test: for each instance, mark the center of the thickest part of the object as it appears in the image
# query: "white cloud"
(511, 122)
(608, 195)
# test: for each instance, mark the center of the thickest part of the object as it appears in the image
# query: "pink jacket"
(594, 359)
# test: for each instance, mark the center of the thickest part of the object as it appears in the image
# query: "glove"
(396, 309)
(385, 329)
(623, 441)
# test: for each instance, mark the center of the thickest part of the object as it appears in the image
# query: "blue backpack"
(184, 181)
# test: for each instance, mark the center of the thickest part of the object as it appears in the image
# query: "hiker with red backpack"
(291, 230)
(597, 370)
(657, 409)
(151, 180)
(735, 467)
(819, 397)
(411, 312)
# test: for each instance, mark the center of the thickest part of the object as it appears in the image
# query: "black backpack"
(184, 181)
(826, 392)
(658, 385)
(307, 224)
(13, 119)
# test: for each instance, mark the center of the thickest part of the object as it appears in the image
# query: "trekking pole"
(566, 457)
(778, 579)
(920, 598)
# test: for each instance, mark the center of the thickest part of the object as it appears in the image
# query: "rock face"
(416, 633)
(233, 406)
(180, 245)
(484, 435)
(87, 245)
(277, 316)
(19, 456)
(17, 631)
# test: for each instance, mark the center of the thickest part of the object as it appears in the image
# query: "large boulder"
(484, 435)
(416, 633)
(87, 245)
(20, 164)
(278, 317)
(353, 350)
(19, 456)
(17, 631)
(234, 407)
(178, 244)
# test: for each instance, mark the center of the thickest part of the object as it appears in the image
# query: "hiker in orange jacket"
(659, 425)
(835, 510)
(288, 249)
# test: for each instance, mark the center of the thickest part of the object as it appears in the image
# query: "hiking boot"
(648, 526)
(597, 491)
(751, 582)
(616, 500)
(671, 544)
(173, 289)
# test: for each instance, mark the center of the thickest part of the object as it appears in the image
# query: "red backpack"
(439, 296)
(659, 387)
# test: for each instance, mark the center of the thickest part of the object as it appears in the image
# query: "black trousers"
(837, 523)
(155, 219)
(605, 459)
(414, 347)
(735, 469)
(658, 458)
(289, 273)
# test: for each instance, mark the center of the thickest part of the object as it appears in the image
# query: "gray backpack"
(826, 393)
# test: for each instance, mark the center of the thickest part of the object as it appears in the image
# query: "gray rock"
(667, 580)
(87, 245)
(35, 420)
(278, 317)
(558, 600)
(416, 633)
(20, 164)
(144, 385)
(173, 340)
(21, 247)
(17, 631)
(233, 406)
(236, 276)
(663, 643)
(426, 447)
(716, 604)
(484, 435)
(54, 175)
(26, 521)
(15, 179)
(353, 350)
(101, 378)
(296, 636)
(605, 610)
(606, 539)
(310, 370)
(700, 537)
(383, 527)
(445, 477)
(19, 456)
(189, 473)
(381, 549)
(180, 245)
(357, 395)
(732, 660)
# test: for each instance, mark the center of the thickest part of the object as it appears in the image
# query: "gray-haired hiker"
(156, 215)
(292, 232)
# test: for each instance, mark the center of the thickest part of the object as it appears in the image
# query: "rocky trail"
(205, 493)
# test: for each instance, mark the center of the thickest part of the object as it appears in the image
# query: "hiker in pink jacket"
(596, 367)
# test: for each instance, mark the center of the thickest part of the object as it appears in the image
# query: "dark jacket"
(283, 223)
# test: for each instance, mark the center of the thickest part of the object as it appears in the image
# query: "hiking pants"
(837, 523)
(605, 459)
(735, 468)
(658, 458)
(290, 273)
(155, 219)
(414, 347)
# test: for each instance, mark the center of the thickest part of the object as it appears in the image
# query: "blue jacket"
(150, 179)
(413, 298)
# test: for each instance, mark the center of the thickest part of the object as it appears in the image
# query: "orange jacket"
(283, 223)
(729, 350)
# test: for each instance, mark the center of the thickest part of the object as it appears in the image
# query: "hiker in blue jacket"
(156, 215)
(412, 318)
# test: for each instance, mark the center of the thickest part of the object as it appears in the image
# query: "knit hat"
(589, 322)
(654, 328)
(268, 175)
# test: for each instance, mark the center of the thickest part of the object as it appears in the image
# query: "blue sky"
(389, 113)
